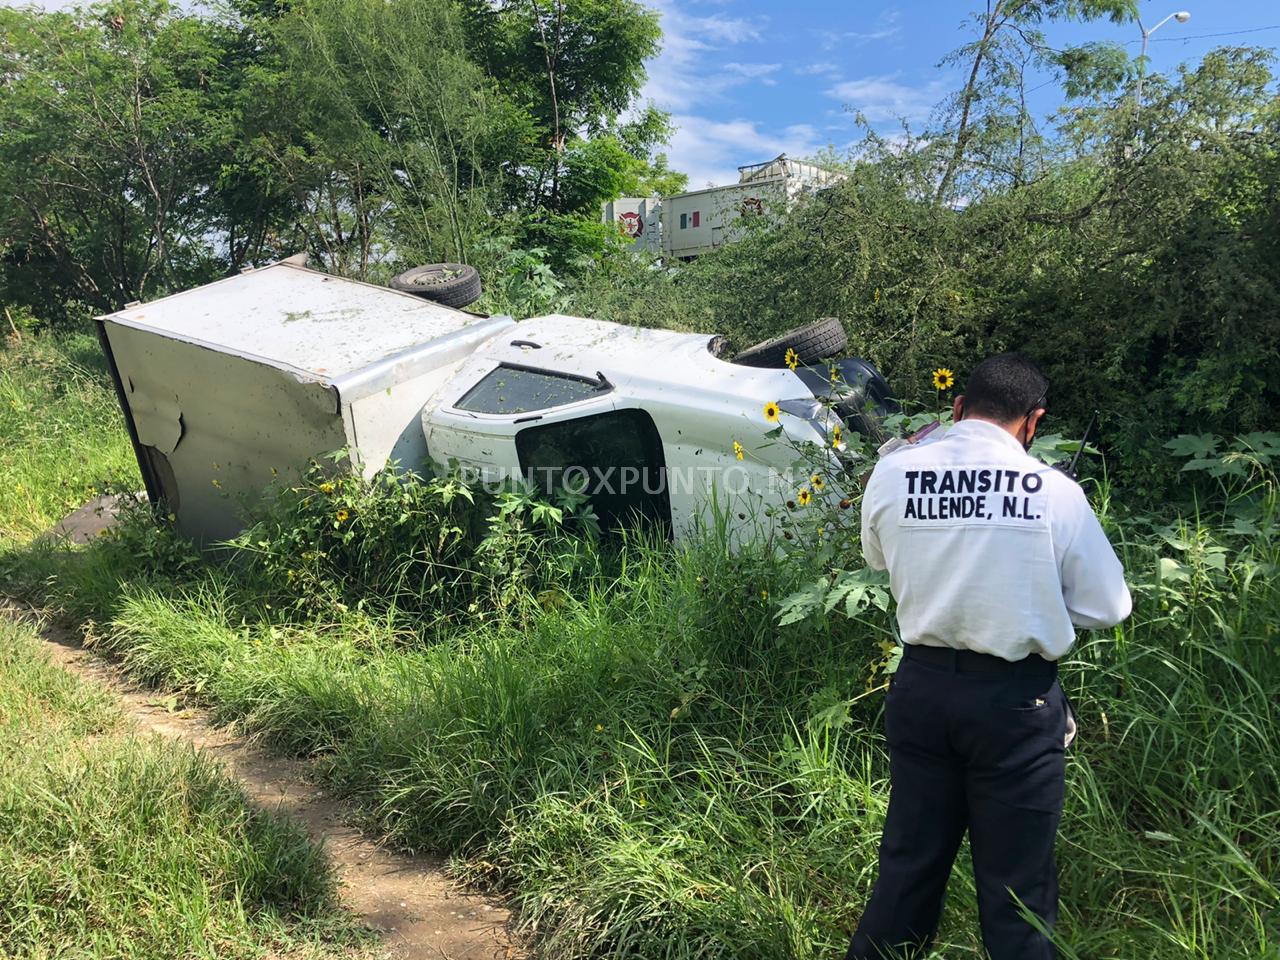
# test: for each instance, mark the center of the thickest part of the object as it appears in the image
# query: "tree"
(424, 123)
(1009, 39)
(576, 65)
(398, 142)
(1137, 266)
(144, 148)
(112, 126)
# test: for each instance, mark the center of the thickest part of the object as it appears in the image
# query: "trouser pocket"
(1073, 726)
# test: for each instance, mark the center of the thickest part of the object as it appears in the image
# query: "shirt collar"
(985, 429)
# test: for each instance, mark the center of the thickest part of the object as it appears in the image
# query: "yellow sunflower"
(737, 449)
(804, 496)
(771, 411)
(837, 436)
(792, 359)
(342, 516)
(943, 379)
(326, 487)
(817, 482)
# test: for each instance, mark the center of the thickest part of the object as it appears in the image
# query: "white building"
(688, 224)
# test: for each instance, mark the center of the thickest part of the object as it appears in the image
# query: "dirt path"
(422, 914)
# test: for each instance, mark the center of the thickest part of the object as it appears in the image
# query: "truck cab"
(645, 422)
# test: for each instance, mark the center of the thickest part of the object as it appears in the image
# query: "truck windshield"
(512, 389)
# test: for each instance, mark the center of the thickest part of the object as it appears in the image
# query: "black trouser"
(974, 743)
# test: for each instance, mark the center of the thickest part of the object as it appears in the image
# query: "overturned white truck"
(229, 386)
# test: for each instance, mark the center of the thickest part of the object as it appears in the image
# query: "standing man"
(994, 559)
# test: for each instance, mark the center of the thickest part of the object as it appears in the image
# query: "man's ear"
(957, 408)
(1033, 421)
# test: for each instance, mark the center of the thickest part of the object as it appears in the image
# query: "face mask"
(1026, 422)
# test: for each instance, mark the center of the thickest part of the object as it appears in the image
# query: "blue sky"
(746, 80)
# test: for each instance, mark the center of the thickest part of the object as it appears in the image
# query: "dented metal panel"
(217, 429)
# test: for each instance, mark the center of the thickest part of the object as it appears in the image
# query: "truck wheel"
(814, 342)
(449, 284)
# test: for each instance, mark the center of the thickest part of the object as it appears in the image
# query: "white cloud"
(754, 71)
(822, 68)
(710, 151)
(693, 75)
(687, 72)
(884, 98)
(858, 36)
(724, 29)
(886, 26)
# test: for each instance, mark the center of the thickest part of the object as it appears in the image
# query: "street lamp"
(1182, 16)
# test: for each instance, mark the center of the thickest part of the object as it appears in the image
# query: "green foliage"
(597, 170)
(1135, 268)
(397, 139)
(337, 542)
(1094, 69)
(114, 123)
(988, 135)
(1243, 470)
(578, 63)
(648, 748)
(520, 281)
(62, 439)
(653, 765)
(617, 164)
(633, 745)
(143, 147)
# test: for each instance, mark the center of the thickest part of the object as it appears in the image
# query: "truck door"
(615, 458)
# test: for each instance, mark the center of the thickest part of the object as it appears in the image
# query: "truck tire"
(448, 284)
(814, 342)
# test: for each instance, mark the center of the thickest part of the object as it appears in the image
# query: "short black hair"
(1005, 388)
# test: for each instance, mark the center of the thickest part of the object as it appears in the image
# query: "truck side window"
(615, 458)
(512, 389)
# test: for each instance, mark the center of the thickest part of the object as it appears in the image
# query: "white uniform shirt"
(987, 548)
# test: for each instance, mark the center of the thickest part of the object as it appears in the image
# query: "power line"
(1198, 36)
(1206, 36)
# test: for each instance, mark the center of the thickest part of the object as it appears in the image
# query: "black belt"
(968, 661)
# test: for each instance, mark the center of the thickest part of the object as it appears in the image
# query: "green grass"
(115, 845)
(654, 769)
(62, 439)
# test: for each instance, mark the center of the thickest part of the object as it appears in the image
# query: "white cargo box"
(229, 385)
(697, 222)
